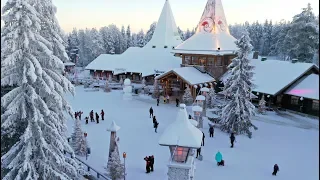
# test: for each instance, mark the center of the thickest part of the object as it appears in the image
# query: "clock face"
(207, 25)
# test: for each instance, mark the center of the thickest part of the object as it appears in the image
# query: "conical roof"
(212, 35)
(113, 127)
(166, 32)
(181, 132)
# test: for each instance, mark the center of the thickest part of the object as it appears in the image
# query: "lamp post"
(85, 136)
(124, 155)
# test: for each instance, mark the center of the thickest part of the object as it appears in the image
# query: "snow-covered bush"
(107, 88)
(237, 113)
(211, 97)
(115, 168)
(187, 96)
(143, 82)
(79, 142)
(156, 90)
(110, 78)
(121, 81)
(262, 105)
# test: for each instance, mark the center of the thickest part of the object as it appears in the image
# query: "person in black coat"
(154, 120)
(147, 164)
(190, 117)
(198, 152)
(232, 139)
(156, 126)
(158, 100)
(275, 169)
(151, 162)
(97, 118)
(87, 119)
(151, 112)
(177, 102)
(79, 114)
(202, 142)
(211, 131)
(91, 116)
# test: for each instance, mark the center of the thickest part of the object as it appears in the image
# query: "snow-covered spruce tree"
(110, 78)
(115, 168)
(187, 96)
(79, 142)
(156, 90)
(262, 105)
(37, 101)
(143, 82)
(303, 36)
(150, 32)
(107, 87)
(237, 113)
(211, 97)
(140, 39)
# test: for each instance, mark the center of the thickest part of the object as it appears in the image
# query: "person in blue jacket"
(220, 161)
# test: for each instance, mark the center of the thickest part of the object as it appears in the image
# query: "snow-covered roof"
(204, 89)
(139, 60)
(69, 64)
(212, 33)
(200, 98)
(181, 132)
(272, 76)
(113, 127)
(189, 74)
(307, 87)
(197, 108)
(166, 32)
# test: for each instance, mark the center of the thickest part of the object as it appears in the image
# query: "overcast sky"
(141, 13)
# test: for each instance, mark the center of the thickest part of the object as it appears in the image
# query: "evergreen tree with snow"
(237, 113)
(110, 78)
(129, 38)
(187, 34)
(156, 90)
(262, 105)
(237, 30)
(35, 106)
(134, 40)
(124, 42)
(97, 43)
(79, 141)
(104, 34)
(143, 82)
(181, 34)
(278, 45)
(140, 39)
(211, 97)
(266, 38)
(115, 168)
(150, 32)
(303, 36)
(187, 96)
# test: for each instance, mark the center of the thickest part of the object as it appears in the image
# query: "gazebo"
(182, 137)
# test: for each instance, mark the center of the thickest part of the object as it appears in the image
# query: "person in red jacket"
(147, 164)
(102, 114)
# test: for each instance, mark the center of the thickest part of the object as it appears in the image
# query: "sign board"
(158, 72)
(120, 69)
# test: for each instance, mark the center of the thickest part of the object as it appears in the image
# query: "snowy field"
(295, 149)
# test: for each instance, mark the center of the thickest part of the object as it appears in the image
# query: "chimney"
(255, 55)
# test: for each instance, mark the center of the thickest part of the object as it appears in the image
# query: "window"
(315, 105)
(165, 46)
(153, 46)
(202, 61)
(187, 59)
(279, 98)
(181, 153)
(219, 61)
(210, 61)
(294, 100)
(194, 60)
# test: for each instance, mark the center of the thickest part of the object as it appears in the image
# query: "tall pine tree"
(150, 32)
(38, 100)
(236, 115)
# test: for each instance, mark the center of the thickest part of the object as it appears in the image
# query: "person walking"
(87, 120)
(79, 114)
(151, 112)
(275, 169)
(102, 114)
(156, 126)
(91, 116)
(198, 152)
(158, 100)
(147, 164)
(154, 120)
(232, 139)
(177, 102)
(75, 115)
(151, 162)
(97, 118)
(203, 136)
(211, 131)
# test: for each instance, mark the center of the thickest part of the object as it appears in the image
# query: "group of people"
(149, 163)
(155, 122)
(167, 100)
(77, 115)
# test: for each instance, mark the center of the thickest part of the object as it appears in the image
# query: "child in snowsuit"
(158, 100)
(151, 112)
(91, 116)
(275, 169)
(220, 161)
(156, 126)
(203, 136)
(87, 119)
(97, 118)
(147, 164)
(151, 162)
(102, 114)
(211, 130)
(198, 152)
(232, 139)
(177, 102)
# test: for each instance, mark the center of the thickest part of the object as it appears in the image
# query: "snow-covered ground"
(295, 149)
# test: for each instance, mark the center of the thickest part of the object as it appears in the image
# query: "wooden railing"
(88, 168)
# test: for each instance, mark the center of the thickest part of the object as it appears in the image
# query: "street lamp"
(124, 155)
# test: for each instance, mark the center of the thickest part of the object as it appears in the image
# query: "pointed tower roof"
(181, 132)
(113, 127)
(212, 35)
(166, 32)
